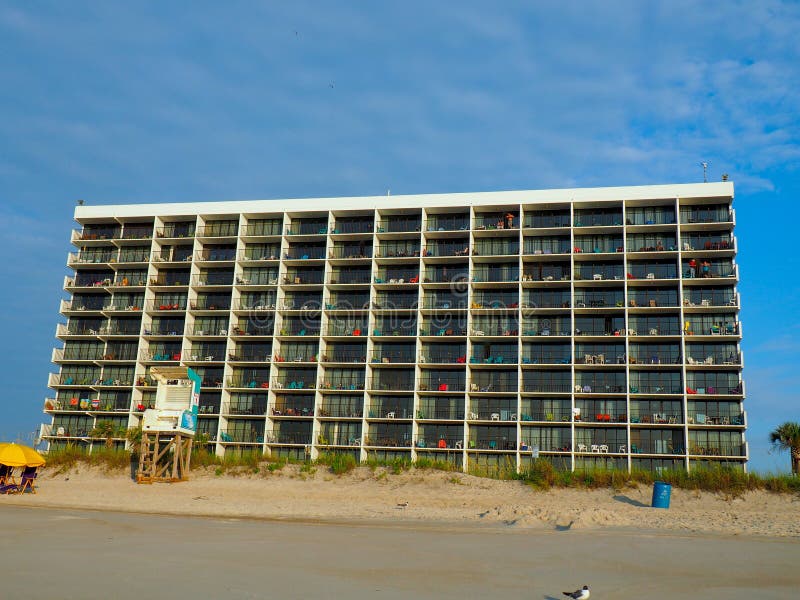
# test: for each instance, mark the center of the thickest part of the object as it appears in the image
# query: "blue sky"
(191, 101)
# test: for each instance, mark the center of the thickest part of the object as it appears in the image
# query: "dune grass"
(542, 474)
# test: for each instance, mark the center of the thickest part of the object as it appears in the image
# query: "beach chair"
(27, 480)
(11, 488)
(5, 474)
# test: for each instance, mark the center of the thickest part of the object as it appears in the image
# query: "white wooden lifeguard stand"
(170, 426)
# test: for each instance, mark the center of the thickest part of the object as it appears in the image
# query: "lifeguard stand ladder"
(164, 457)
(169, 428)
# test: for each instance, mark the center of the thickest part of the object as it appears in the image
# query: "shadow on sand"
(631, 501)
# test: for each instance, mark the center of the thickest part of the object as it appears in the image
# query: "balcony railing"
(250, 382)
(547, 358)
(342, 356)
(366, 226)
(293, 383)
(247, 408)
(441, 384)
(657, 388)
(434, 442)
(340, 410)
(406, 385)
(656, 418)
(441, 414)
(263, 229)
(315, 278)
(447, 223)
(495, 357)
(492, 386)
(218, 230)
(718, 450)
(498, 444)
(538, 387)
(215, 255)
(387, 441)
(289, 438)
(264, 356)
(435, 358)
(242, 437)
(699, 358)
(350, 252)
(719, 417)
(341, 383)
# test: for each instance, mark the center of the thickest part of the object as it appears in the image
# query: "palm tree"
(107, 430)
(787, 437)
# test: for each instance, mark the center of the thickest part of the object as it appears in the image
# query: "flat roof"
(302, 205)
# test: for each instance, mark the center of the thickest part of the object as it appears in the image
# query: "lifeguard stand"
(170, 426)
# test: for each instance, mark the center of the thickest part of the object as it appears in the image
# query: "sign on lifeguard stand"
(170, 426)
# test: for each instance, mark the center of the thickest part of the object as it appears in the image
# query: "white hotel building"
(591, 326)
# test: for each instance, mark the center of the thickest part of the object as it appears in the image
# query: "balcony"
(341, 384)
(254, 408)
(434, 442)
(655, 418)
(391, 385)
(72, 355)
(342, 410)
(264, 228)
(176, 231)
(296, 382)
(215, 255)
(718, 450)
(289, 438)
(547, 358)
(344, 226)
(442, 384)
(222, 229)
(710, 359)
(446, 222)
(731, 418)
(343, 356)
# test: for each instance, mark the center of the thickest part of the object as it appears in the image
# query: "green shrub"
(338, 462)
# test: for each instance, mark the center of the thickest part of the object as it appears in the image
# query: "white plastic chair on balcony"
(390, 415)
(603, 449)
(622, 449)
(494, 417)
(581, 447)
(595, 448)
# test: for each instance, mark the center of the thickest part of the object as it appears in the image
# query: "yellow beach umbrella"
(17, 455)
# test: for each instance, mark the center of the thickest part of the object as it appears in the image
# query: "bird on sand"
(402, 504)
(581, 594)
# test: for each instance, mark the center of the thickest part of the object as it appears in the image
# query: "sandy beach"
(417, 497)
(69, 554)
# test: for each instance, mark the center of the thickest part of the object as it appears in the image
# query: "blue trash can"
(661, 494)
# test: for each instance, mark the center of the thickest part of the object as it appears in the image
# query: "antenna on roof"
(724, 177)
(80, 202)
(705, 164)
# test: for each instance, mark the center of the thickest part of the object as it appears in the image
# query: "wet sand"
(59, 553)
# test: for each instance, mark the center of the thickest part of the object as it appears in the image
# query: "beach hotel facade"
(591, 327)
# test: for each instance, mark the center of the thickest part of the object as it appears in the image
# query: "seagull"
(581, 594)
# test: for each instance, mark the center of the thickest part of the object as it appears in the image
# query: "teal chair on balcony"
(492, 445)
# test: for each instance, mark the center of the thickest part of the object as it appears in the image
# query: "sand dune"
(416, 496)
